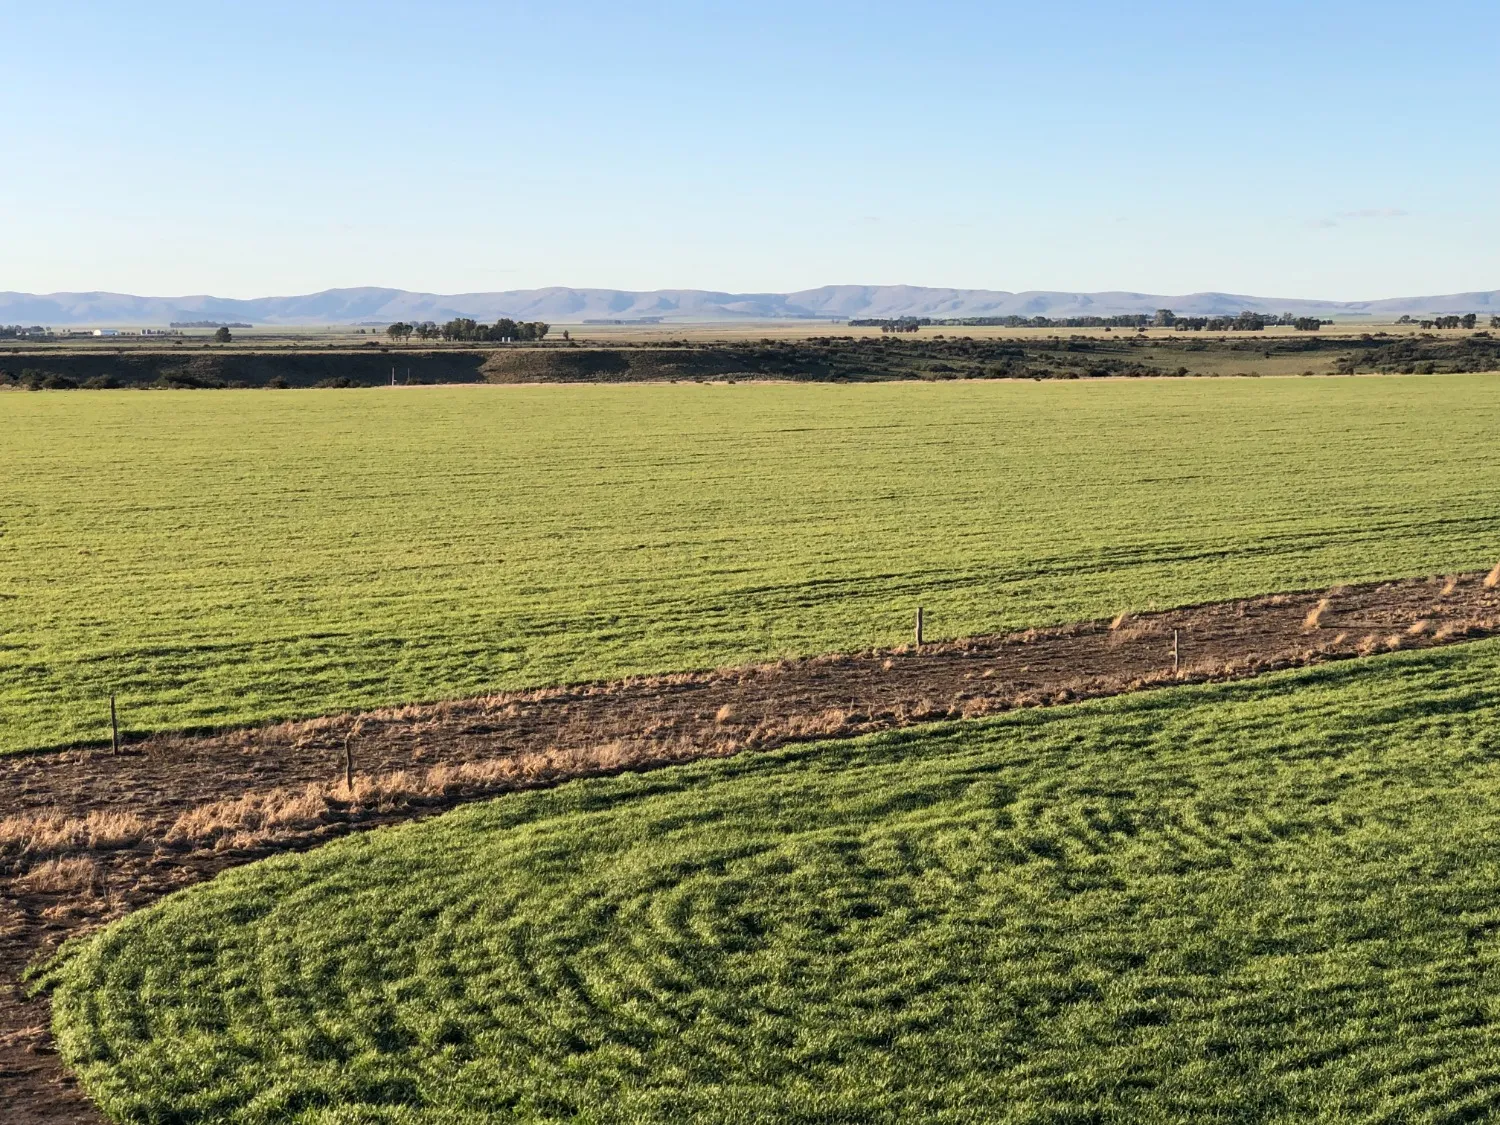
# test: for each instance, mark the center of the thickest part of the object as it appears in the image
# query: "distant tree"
(1307, 324)
(1469, 320)
(1495, 322)
(1164, 318)
(400, 331)
(222, 336)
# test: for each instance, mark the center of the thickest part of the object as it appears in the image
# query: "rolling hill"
(563, 305)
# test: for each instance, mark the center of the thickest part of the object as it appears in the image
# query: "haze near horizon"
(1310, 151)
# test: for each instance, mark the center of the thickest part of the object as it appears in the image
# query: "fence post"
(919, 626)
(114, 727)
(1175, 664)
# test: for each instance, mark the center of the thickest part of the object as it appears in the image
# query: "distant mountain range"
(560, 305)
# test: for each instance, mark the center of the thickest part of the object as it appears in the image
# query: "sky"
(1332, 150)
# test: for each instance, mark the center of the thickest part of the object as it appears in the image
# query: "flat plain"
(237, 556)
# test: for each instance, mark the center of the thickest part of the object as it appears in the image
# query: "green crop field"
(1271, 901)
(232, 556)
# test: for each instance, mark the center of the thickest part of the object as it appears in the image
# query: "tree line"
(471, 331)
(1164, 318)
(1468, 320)
(1246, 322)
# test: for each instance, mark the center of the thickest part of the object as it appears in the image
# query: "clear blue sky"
(1323, 149)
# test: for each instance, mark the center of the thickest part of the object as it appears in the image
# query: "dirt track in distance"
(86, 836)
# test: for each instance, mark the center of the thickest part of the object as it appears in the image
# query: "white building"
(106, 332)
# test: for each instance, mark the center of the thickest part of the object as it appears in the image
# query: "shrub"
(184, 380)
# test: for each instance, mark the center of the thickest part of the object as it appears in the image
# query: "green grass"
(1271, 901)
(229, 557)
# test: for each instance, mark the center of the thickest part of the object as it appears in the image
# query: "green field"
(1275, 901)
(226, 557)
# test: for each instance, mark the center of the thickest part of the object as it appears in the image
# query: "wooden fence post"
(114, 727)
(919, 626)
(1175, 663)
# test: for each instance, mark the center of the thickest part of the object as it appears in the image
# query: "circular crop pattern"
(1271, 901)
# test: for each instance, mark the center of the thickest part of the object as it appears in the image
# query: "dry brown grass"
(1492, 579)
(1449, 586)
(260, 818)
(1314, 618)
(1419, 628)
(75, 873)
(29, 1037)
(1120, 620)
(46, 834)
(830, 721)
(978, 707)
(724, 714)
(1132, 629)
(254, 812)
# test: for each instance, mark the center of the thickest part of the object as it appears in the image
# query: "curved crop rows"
(1275, 900)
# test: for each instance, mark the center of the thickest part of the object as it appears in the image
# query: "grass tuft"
(76, 874)
(1314, 618)
(33, 834)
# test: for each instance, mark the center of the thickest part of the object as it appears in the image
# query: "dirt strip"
(86, 836)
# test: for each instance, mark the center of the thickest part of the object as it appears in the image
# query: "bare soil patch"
(86, 835)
